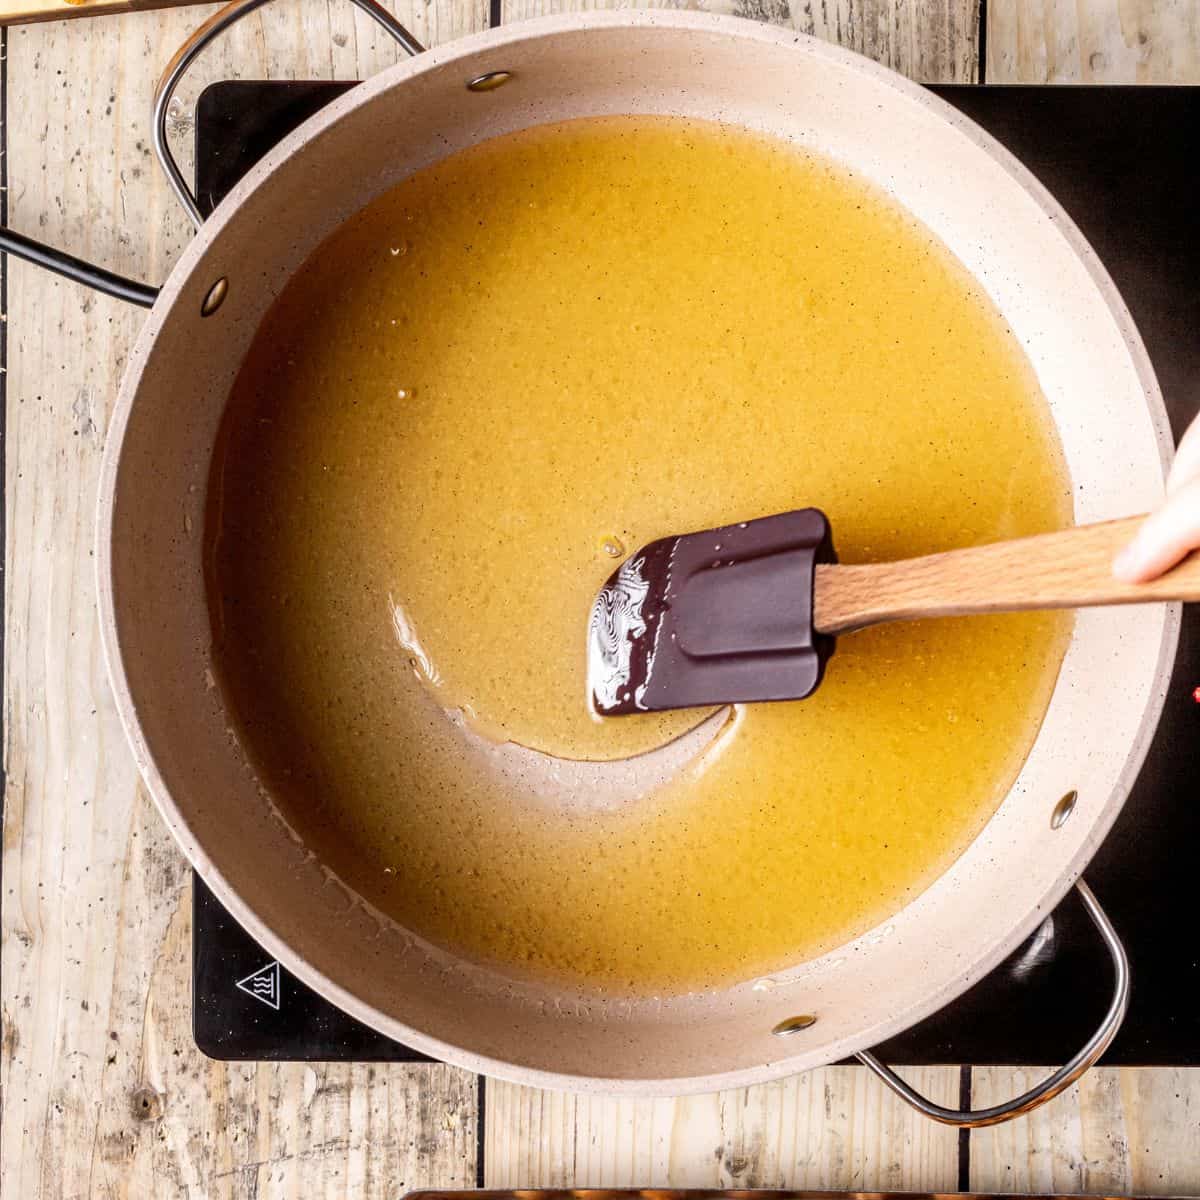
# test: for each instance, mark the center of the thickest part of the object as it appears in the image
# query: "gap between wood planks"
(981, 44)
(964, 1135)
(480, 1129)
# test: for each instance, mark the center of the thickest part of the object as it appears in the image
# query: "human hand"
(1173, 529)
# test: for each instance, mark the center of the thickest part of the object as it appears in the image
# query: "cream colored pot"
(983, 204)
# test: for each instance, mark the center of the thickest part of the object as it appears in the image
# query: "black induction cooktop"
(1125, 163)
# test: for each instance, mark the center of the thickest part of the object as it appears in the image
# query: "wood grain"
(1117, 1132)
(935, 41)
(1068, 569)
(1093, 41)
(104, 1093)
(832, 1128)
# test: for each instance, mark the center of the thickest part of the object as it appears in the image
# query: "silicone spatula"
(750, 612)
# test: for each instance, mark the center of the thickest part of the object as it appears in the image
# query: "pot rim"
(493, 39)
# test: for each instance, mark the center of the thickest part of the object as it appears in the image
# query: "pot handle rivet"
(1053, 1084)
(215, 298)
(184, 56)
(791, 1025)
(1063, 809)
(488, 81)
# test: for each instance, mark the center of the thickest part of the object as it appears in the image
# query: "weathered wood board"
(104, 1093)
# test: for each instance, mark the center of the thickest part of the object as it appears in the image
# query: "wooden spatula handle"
(1071, 569)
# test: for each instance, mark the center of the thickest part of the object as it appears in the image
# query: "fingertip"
(1129, 566)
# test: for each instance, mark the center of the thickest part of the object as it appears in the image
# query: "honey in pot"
(501, 376)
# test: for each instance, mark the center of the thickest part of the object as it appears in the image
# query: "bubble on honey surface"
(400, 250)
(612, 545)
(405, 393)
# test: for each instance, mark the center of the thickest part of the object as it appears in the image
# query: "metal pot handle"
(184, 56)
(1052, 1084)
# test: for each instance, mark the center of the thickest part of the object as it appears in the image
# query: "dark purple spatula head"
(723, 616)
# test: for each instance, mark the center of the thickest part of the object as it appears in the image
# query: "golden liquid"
(565, 343)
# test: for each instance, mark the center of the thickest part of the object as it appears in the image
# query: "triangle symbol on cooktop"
(263, 984)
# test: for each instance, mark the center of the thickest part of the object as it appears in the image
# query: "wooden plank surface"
(103, 1092)
(833, 1128)
(1117, 1132)
(1093, 41)
(934, 41)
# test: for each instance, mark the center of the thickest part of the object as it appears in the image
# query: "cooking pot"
(1025, 253)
